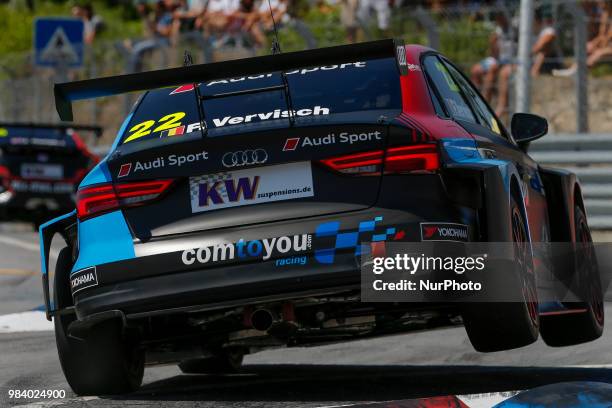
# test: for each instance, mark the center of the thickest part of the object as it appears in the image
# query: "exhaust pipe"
(263, 319)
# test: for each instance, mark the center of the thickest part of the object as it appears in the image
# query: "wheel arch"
(563, 192)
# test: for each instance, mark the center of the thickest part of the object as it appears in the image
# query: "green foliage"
(464, 41)
(17, 22)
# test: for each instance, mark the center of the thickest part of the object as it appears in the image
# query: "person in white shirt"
(382, 8)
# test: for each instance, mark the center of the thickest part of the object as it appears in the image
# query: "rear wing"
(66, 93)
(96, 130)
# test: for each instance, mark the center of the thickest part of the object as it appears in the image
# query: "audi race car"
(40, 169)
(229, 215)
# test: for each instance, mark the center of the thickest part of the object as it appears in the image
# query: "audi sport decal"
(433, 231)
(244, 158)
(302, 71)
(85, 278)
(293, 143)
(250, 186)
(125, 170)
(172, 160)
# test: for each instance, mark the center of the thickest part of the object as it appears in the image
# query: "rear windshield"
(316, 92)
(34, 136)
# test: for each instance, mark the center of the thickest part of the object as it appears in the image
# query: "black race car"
(230, 213)
(41, 166)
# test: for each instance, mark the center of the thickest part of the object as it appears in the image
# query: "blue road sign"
(58, 41)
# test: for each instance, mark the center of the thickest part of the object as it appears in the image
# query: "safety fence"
(461, 32)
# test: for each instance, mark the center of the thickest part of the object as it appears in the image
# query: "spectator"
(543, 51)
(348, 18)
(382, 8)
(245, 20)
(501, 52)
(92, 23)
(279, 10)
(217, 15)
(600, 46)
(190, 15)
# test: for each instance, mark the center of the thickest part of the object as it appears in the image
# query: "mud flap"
(47, 231)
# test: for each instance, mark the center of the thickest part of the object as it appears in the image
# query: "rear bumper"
(209, 289)
(157, 280)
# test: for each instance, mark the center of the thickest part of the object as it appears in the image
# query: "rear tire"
(508, 325)
(568, 329)
(101, 363)
(226, 362)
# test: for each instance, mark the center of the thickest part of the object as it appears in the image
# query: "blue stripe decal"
(104, 239)
(97, 175)
(100, 174)
(121, 131)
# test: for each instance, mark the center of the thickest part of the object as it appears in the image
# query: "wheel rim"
(519, 236)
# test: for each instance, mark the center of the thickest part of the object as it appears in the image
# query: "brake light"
(100, 199)
(5, 176)
(403, 159)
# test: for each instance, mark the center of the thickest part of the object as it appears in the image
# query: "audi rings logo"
(244, 158)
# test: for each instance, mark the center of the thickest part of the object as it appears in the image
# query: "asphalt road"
(423, 364)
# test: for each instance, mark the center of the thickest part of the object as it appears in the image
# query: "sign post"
(58, 44)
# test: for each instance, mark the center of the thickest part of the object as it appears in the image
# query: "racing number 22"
(144, 128)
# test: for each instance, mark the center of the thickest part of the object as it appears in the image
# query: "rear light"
(97, 200)
(404, 159)
(5, 177)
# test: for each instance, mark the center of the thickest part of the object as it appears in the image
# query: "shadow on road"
(357, 382)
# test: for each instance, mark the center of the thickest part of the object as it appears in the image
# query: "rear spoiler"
(66, 93)
(97, 130)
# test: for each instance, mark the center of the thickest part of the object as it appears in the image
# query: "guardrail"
(590, 157)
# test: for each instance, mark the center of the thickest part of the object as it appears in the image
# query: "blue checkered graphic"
(348, 239)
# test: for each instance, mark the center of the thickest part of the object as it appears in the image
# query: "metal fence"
(460, 32)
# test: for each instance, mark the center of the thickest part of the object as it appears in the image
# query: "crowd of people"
(493, 73)
(166, 19)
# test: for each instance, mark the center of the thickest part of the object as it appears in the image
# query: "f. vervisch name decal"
(85, 278)
(172, 160)
(435, 231)
(275, 114)
(293, 143)
(262, 249)
(251, 186)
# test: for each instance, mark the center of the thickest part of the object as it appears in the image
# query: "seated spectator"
(544, 54)
(190, 15)
(217, 15)
(279, 9)
(543, 51)
(382, 8)
(92, 23)
(244, 20)
(501, 52)
(600, 46)
(348, 18)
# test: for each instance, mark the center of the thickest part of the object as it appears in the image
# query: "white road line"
(54, 403)
(24, 322)
(28, 246)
